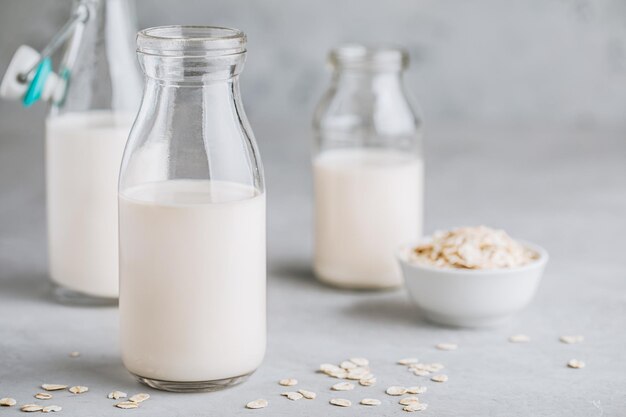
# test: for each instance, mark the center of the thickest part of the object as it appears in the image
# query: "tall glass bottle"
(86, 132)
(192, 217)
(368, 171)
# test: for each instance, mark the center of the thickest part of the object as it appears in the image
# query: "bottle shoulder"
(387, 112)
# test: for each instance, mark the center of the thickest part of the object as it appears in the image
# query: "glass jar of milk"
(86, 132)
(192, 217)
(367, 169)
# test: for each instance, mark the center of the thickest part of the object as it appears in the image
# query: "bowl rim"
(537, 263)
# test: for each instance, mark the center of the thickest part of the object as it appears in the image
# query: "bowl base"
(456, 321)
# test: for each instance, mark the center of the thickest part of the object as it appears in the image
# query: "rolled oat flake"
(7, 402)
(439, 378)
(416, 390)
(260, 403)
(31, 408)
(292, 395)
(288, 382)
(395, 390)
(576, 364)
(370, 401)
(309, 395)
(116, 395)
(127, 404)
(341, 402)
(78, 389)
(139, 398)
(51, 409)
(415, 407)
(342, 386)
(409, 400)
(53, 387)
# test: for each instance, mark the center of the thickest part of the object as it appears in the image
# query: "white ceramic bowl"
(472, 298)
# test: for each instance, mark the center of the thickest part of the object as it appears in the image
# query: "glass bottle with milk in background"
(86, 132)
(192, 217)
(367, 169)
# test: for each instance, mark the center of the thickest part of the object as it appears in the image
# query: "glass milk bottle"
(86, 132)
(192, 217)
(367, 169)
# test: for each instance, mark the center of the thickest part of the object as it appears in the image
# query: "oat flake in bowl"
(471, 276)
(478, 247)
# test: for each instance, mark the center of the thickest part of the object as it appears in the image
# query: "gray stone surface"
(564, 189)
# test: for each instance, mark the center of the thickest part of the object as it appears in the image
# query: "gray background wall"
(512, 63)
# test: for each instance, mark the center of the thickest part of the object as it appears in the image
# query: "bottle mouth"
(365, 58)
(191, 41)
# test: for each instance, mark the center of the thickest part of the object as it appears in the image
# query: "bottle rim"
(362, 57)
(182, 41)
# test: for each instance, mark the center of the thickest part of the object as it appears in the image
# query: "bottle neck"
(191, 71)
(99, 62)
(379, 82)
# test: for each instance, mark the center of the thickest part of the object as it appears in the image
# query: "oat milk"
(83, 157)
(367, 202)
(192, 273)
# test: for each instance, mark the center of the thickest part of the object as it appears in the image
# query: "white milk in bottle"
(83, 156)
(367, 202)
(189, 249)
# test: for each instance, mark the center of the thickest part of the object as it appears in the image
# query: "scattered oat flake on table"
(288, 382)
(127, 404)
(341, 374)
(53, 387)
(370, 401)
(78, 389)
(309, 395)
(74, 354)
(519, 338)
(407, 361)
(447, 346)
(439, 378)
(415, 407)
(341, 402)
(434, 367)
(572, 339)
(31, 408)
(366, 374)
(360, 361)
(329, 367)
(116, 395)
(7, 402)
(395, 390)
(420, 372)
(139, 398)
(367, 382)
(253, 405)
(416, 390)
(51, 409)
(358, 374)
(43, 396)
(348, 365)
(409, 400)
(293, 395)
(342, 386)
(575, 363)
